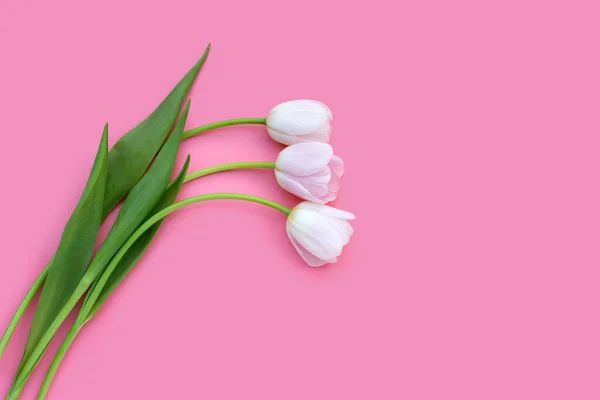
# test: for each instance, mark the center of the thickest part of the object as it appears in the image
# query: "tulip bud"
(319, 232)
(300, 121)
(310, 171)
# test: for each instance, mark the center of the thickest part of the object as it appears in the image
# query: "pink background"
(470, 133)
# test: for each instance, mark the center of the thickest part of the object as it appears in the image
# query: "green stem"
(58, 359)
(42, 277)
(96, 291)
(22, 308)
(227, 167)
(99, 286)
(91, 275)
(221, 124)
(14, 394)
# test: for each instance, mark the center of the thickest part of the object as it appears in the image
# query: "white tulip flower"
(310, 171)
(319, 232)
(300, 121)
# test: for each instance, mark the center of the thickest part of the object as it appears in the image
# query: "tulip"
(310, 171)
(319, 232)
(300, 121)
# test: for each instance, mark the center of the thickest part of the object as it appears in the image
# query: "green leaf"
(102, 288)
(127, 161)
(136, 251)
(139, 203)
(74, 250)
(130, 156)
(144, 195)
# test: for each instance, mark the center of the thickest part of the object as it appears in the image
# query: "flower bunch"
(137, 171)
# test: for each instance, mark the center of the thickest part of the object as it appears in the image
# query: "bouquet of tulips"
(137, 171)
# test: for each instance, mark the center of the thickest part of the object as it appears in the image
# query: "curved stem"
(227, 167)
(62, 351)
(96, 290)
(22, 308)
(221, 124)
(93, 296)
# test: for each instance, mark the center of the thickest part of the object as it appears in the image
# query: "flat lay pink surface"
(470, 134)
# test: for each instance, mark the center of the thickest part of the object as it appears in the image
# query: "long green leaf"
(102, 288)
(139, 203)
(136, 251)
(130, 156)
(74, 250)
(127, 161)
(143, 197)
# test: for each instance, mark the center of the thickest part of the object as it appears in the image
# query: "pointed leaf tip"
(136, 252)
(70, 262)
(132, 154)
(186, 110)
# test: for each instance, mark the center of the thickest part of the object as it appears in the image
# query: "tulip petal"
(322, 135)
(334, 183)
(329, 197)
(309, 258)
(317, 184)
(337, 166)
(303, 159)
(343, 227)
(282, 137)
(325, 210)
(315, 234)
(333, 189)
(295, 188)
(299, 117)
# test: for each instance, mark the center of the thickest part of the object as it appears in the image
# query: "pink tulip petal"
(344, 228)
(337, 166)
(322, 135)
(332, 189)
(299, 117)
(295, 188)
(317, 184)
(309, 258)
(334, 184)
(303, 159)
(315, 234)
(282, 137)
(325, 210)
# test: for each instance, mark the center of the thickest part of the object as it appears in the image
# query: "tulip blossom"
(310, 171)
(319, 232)
(300, 121)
